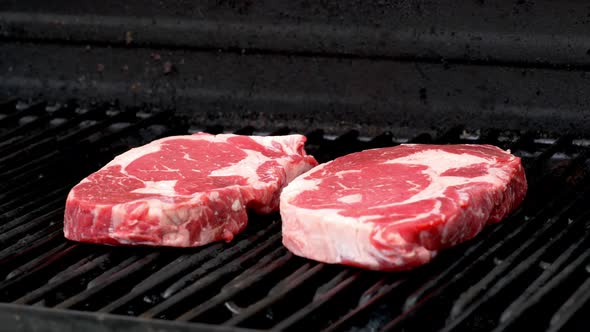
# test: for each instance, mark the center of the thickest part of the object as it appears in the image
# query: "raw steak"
(184, 191)
(395, 208)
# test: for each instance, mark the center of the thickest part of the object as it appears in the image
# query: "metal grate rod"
(35, 200)
(42, 261)
(517, 305)
(249, 278)
(542, 294)
(179, 265)
(118, 272)
(367, 302)
(576, 304)
(19, 231)
(31, 242)
(11, 121)
(278, 292)
(83, 266)
(322, 298)
(229, 262)
(475, 297)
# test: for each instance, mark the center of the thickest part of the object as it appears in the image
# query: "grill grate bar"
(576, 304)
(249, 278)
(486, 245)
(179, 265)
(108, 277)
(11, 121)
(323, 297)
(73, 271)
(35, 144)
(457, 268)
(221, 258)
(28, 190)
(278, 292)
(533, 166)
(29, 141)
(83, 139)
(269, 263)
(31, 242)
(13, 288)
(83, 132)
(552, 286)
(164, 274)
(54, 200)
(16, 189)
(123, 269)
(132, 128)
(37, 185)
(32, 169)
(538, 163)
(18, 231)
(473, 300)
(57, 136)
(30, 201)
(227, 262)
(466, 300)
(42, 120)
(30, 205)
(517, 305)
(369, 299)
(42, 261)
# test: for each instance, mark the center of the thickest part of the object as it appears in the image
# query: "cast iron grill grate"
(530, 271)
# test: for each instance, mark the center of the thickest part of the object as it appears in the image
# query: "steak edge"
(396, 208)
(184, 191)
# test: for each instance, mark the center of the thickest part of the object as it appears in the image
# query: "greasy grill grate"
(530, 271)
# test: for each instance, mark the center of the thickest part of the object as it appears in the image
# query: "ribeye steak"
(184, 190)
(395, 208)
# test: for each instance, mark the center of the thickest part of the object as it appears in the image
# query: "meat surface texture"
(184, 191)
(395, 208)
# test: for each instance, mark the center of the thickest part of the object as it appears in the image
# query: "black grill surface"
(530, 271)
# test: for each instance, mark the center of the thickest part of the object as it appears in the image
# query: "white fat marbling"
(354, 198)
(165, 187)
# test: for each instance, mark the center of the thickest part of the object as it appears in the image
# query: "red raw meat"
(395, 208)
(184, 191)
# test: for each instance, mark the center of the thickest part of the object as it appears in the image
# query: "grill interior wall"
(407, 66)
